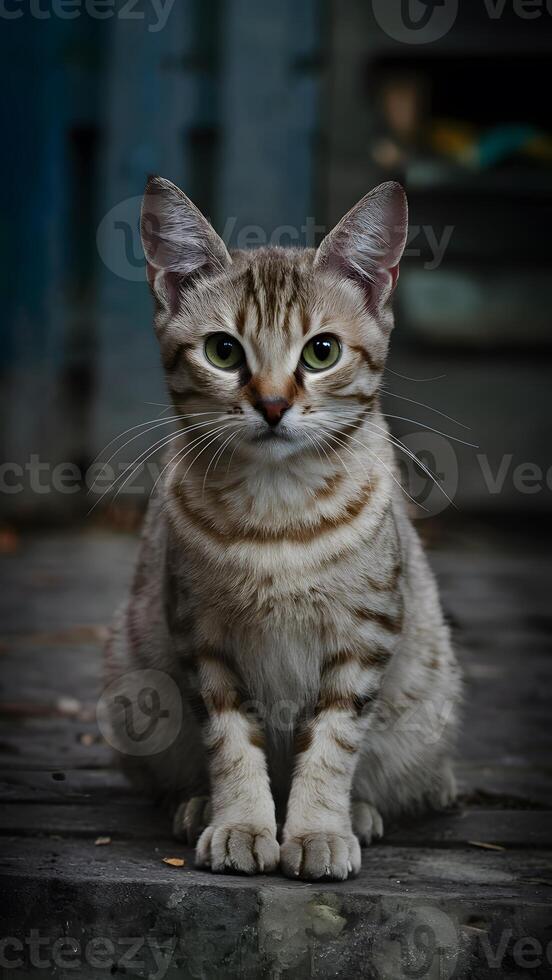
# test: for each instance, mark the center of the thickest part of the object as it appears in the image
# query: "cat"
(280, 582)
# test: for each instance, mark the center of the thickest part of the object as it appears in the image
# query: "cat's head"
(286, 341)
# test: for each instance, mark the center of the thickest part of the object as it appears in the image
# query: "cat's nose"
(272, 409)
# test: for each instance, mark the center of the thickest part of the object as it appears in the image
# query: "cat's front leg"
(242, 834)
(318, 839)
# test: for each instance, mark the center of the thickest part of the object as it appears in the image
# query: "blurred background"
(275, 117)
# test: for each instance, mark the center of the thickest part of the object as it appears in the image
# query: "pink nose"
(272, 409)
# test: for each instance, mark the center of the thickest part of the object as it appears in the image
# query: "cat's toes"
(240, 849)
(191, 817)
(367, 822)
(321, 855)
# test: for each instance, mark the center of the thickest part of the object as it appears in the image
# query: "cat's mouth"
(269, 435)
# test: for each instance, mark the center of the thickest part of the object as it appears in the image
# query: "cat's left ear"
(368, 242)
(178, 242)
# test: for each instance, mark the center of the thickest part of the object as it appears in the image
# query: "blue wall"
(222, 100)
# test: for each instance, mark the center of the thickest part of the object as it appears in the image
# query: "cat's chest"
(273, 635)
(274, 617)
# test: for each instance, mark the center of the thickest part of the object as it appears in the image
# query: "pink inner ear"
(168, 283)
(173, 283)
(394, 273)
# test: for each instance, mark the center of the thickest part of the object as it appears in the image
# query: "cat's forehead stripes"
(275, 296)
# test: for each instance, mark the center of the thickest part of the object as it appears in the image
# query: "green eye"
(224, 351)
(321, 352)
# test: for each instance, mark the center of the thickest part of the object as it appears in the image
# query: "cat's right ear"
(178, 242)
(367, 244)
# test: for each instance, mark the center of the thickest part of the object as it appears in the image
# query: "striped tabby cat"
(280, 582)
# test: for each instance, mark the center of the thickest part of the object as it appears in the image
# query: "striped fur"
(280, 581)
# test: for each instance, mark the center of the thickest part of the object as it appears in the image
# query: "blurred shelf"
(477, 307)
(434, 177)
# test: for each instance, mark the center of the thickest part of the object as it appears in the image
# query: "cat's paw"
(191, 817)
(367, 822)
(238, 849)
(317, 855)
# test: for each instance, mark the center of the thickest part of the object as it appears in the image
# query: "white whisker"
(165, 439)
(314, 443)
(326, 436)
(232, 454)
(399, 445)
(184, 450)
(153, 423)
(216, 456)
(403, 398)
(145, 455)
(438, 377)
(430, 428)
(353, 413)
(393, 477)
(200, 453)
